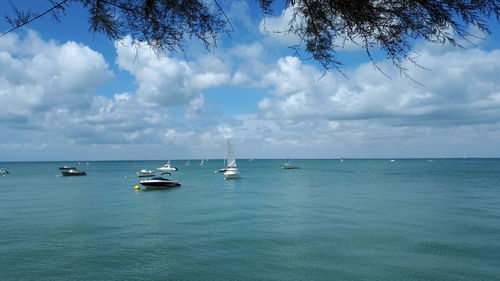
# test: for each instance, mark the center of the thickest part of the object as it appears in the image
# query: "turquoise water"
(355, 220)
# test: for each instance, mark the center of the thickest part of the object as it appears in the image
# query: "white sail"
(231, 158)
(225, 156)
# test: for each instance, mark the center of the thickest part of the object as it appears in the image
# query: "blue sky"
(68, 94)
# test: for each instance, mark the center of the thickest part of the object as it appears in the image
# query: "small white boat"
(159, 183)
(202, 162)
(3, 171)
(232, 171)
(73, 172)
(167, 168)
(145, 173)
(289, 166)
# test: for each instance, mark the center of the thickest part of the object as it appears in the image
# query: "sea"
(360, 219)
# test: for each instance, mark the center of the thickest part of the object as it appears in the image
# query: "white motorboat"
(167, 168)
(159, 183)
(73, 172)
(232, 171)
(289, 166)
(3, 171)
(145, 173)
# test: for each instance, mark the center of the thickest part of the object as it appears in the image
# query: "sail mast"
(231, 158)
(225, 155)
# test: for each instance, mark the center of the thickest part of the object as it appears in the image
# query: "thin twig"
(57, 6)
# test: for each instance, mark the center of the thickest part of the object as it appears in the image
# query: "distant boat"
(232, 171)
(392, 160)
(202, 162)
(341, 158)
(72, 173)
(188, 162)
(66, 168)
(289, 165)
(167, 168)
(159, 183)
(145, 173)
(4, 171)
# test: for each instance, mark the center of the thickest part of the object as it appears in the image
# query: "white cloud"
(459, 101)
(251, 51)
(168, 81)
(454, 91)
(50, 90)
(39, 76)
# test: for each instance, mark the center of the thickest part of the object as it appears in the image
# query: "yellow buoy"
(137, 187)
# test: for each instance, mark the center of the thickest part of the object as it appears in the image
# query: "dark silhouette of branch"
(390, 25)
(24, 18)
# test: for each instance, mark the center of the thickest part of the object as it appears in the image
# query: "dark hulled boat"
(66, 168)
(159, 183)
(73, 172)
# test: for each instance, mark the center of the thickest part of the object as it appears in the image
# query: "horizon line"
(184, 159)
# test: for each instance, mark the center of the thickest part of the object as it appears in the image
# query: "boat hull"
(65, 168)
(73, 174)
(231, 174)
(167, 169)
(153, 184)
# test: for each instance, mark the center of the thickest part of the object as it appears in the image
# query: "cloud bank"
(53, 104)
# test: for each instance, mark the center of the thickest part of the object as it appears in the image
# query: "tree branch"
(31, 19)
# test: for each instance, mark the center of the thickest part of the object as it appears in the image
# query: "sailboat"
(188, 162)
(232, 171)
(201, 162)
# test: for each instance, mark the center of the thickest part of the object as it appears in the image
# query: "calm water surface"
(355, 220)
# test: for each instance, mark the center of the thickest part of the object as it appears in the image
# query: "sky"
(67, 94)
